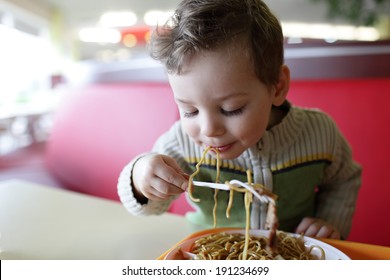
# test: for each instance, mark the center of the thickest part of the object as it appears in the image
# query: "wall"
(339, 60)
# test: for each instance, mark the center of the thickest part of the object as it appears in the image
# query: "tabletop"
(40, 222)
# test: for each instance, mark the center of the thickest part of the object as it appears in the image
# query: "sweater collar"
(283, 134)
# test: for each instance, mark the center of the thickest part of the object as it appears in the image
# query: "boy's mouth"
(223, 148)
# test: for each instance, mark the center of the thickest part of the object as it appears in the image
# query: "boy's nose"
(212, 128)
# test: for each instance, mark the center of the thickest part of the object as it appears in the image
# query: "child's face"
(222, 103)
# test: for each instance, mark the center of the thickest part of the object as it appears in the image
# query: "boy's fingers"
(335, 235)
(161, 190)
(173, 175)
(166, 189)
(324, 232)
(173, 164)
(303, 225)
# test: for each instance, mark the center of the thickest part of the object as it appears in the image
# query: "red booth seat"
(360, 109)
(100, 128)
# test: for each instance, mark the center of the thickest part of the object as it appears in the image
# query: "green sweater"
(305, 160)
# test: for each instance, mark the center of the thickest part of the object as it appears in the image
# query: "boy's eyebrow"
(234, 95)
(229, 96)
(182, 101)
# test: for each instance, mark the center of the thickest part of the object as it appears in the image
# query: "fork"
(263, 198)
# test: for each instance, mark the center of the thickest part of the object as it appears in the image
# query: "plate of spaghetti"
(228, 244)
(245, 243)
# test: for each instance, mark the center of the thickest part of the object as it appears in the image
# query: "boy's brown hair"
(205, 25)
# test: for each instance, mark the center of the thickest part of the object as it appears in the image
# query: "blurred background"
(46, 44)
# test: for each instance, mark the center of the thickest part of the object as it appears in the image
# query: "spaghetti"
(197, 166)
(190, 185)
(229, 246)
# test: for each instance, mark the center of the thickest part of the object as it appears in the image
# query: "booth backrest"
(359, 107)
(100, 128)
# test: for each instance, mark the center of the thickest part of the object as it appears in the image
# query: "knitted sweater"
(304, 160)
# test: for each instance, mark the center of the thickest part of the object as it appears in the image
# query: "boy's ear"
(282, 87)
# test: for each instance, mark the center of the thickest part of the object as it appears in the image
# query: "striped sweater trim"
(212, 163)
(304, 160)
(300, 165)
(280, 168)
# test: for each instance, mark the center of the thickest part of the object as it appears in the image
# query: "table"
(41, 222)
(25, 123)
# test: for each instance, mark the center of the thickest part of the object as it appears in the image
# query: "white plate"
(331, 253)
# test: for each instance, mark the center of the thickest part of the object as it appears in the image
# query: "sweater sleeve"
(337, 195)
(125, 185)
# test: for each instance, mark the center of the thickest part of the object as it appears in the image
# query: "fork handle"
(211, 185)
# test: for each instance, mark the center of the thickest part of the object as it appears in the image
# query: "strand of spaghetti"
(254, 187)
(231, 195)
(197, 166)
(230, 203)
(249, 176)
(248, 201)
(218, 165)
(215, 208)
(216, 190)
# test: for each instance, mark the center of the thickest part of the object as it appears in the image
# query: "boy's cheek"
(190, 129)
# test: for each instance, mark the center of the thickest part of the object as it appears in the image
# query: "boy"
(224, 60)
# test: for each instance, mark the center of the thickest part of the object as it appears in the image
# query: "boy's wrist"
(139, 196)
(136, 192)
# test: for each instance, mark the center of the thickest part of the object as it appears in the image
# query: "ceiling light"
(154, 18)
(130, 40)
(100, 35)
(118, 19)
(330, 32)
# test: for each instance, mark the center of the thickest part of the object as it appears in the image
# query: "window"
(27, 63)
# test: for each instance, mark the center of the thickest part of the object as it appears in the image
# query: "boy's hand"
(314, 227)
(157, 177)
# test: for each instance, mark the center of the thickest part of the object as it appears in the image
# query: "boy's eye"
(190, 114)
(232, 112)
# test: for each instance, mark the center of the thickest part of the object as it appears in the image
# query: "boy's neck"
(278, 114)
